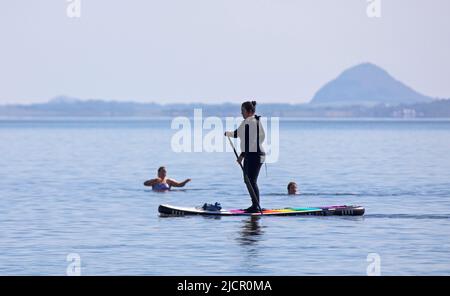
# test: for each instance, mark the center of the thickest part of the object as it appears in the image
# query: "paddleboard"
(314, 211)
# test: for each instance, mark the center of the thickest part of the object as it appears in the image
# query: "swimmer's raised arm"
(174, 183)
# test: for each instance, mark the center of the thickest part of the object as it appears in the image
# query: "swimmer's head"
(292, 188)
(162, 173)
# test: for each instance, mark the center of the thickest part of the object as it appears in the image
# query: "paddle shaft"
(247, 182)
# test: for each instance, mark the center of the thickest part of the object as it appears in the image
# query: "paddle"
(250, 189)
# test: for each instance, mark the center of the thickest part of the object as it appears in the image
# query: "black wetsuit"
(252, 166)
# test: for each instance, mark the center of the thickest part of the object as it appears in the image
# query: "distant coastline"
(105, 109)
(362, 91)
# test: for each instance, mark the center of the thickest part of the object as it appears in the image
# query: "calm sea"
(75, 186)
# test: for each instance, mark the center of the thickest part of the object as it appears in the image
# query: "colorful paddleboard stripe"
(285, 210)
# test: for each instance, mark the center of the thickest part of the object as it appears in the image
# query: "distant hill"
(366, 84)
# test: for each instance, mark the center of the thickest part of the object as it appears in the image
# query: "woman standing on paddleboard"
(251, 135)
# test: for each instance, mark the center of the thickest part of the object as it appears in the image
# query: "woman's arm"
(237, 132)
(152, 182)
(177, 184)
(232, 134)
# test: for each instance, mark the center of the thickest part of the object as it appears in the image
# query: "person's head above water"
(162, 173)
(292, 188)
(248, 109)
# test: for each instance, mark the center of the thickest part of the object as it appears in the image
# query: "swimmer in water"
(162, 183)
(292, 188)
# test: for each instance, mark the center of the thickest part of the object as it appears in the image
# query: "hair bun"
(254, 103)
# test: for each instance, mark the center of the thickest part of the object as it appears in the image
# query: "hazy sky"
(215, 50)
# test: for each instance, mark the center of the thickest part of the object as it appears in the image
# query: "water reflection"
(249, 237)
(250, 231)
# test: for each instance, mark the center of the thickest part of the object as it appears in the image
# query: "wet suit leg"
(252, 166)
